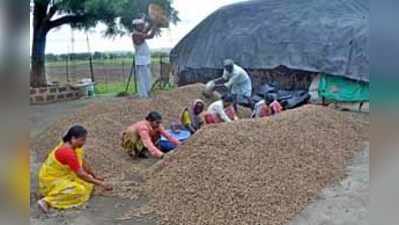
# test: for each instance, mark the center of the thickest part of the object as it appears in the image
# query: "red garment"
(67, 156)
(276, 106)
(211, 118)
(214, 118)
(264, 111)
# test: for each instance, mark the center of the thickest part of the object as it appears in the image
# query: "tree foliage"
(84, 14)
(115, 14)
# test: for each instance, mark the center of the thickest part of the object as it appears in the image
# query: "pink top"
(148, 135)
(276, 106)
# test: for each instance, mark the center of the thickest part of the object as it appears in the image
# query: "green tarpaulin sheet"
(335, 88)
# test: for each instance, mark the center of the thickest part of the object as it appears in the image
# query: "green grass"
(169, 87)
(118, 87)
(113, 88)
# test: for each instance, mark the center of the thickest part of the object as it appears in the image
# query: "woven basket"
(158, 16)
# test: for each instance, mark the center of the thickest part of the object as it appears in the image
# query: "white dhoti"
(143, 69)
(143, 73)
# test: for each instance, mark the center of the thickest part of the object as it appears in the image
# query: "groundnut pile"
(261, 171)
(105, 120)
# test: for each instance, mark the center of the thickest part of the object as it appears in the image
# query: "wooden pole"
(91, 69)
(161, 73)
(90, 59)
(130, 77)
(135, 76)
(123, 69)
(67, 68)
(106, 73)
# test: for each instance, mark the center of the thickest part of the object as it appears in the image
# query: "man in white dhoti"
(143, 55)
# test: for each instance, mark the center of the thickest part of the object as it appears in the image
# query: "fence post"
(135, 75)
(105, 73)
(161, 72)
(67, 68)
(132, 70)
(123, 69)
(91, 69)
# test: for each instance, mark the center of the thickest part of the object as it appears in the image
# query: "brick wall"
(53, 94)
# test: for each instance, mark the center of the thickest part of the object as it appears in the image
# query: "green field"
(105, 62)
(118, 87)
(110, 74)
(114, 88)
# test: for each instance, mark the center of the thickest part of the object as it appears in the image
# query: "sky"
(191, 13)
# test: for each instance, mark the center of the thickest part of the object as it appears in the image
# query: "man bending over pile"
(144, 135)
(237, 81)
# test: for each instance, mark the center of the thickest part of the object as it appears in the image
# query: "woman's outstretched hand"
(106, 186)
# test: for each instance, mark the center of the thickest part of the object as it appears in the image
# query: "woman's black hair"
(269, 99)
(154, 116)
(75, 131)
(228, 98)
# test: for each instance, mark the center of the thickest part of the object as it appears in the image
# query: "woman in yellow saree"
(65, 179)
(191, 118)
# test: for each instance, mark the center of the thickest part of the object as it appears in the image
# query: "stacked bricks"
(53, 94)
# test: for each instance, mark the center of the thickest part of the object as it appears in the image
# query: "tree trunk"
(38, 70)
(42, 23)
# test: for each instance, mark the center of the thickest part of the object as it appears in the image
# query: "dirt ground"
(344, 203)
(100, 210)
(103, 73)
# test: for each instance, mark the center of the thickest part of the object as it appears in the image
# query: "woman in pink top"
(142, 136)
(274, 104)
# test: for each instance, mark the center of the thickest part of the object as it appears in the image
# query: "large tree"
(83, 14)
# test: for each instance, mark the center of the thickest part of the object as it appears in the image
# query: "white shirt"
(218, 109)
(142, 54)
(258, 107)
(239, 81)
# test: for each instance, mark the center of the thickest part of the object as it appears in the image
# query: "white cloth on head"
(138, 21)
(239, 81)
(218, 109)
(258, 107)
(228, 62)
(143, 73)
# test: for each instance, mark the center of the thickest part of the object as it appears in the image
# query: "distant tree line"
(50, 57)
